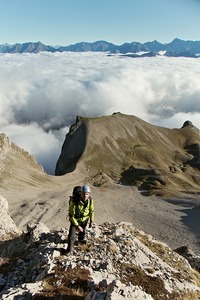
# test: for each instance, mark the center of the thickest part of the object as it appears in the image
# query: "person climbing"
(81, 211)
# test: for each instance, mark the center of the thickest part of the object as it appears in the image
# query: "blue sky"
(65, 22)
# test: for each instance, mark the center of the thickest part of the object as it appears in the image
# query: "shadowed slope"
(73, 147)
(125, 149)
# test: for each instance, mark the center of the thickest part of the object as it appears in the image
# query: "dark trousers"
(72, 234)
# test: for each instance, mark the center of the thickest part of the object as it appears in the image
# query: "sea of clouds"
(41, 95)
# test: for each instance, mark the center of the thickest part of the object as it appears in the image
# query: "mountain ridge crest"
(175, 48)
(154, 159)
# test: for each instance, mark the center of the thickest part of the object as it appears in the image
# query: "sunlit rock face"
(8, 229)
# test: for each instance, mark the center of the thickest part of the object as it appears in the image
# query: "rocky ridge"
(14, 162)
(154, 159)
(175, 48)
(118, 262)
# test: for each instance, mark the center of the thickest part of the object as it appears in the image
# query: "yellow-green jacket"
(81, 211)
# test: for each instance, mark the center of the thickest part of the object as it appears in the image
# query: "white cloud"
(41, 94)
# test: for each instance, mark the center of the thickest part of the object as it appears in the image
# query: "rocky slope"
(126, 150)
(97, 152)
(118, 262)
(121, 259)
(18, 168)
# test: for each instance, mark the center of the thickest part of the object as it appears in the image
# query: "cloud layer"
(41, 94)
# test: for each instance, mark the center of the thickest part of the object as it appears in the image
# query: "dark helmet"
(76, 190)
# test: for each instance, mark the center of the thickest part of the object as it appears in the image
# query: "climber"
(81, 211)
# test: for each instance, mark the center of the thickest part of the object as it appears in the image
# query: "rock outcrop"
(118, 262)
(8, 229)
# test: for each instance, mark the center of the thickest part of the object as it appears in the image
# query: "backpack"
(75, 196)
(76, 190)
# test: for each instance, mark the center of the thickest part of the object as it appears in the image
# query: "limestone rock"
(119, 262)
(37, 230)
(8, 229)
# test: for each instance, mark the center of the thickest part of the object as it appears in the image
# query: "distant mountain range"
(175, 49)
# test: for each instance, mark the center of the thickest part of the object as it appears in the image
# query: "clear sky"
(65, 22)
